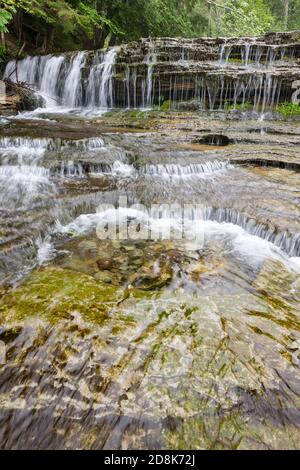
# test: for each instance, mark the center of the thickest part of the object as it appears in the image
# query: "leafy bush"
(247, 106)
(165, 106)
(288, 109)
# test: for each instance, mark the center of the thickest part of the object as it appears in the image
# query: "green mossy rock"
(54, 294)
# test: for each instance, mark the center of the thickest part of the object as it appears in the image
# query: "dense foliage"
(69, 24)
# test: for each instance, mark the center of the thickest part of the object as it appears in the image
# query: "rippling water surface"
(154, 341)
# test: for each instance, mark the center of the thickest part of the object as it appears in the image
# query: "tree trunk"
(2, 39)
(50, 38)
(18, 24)
(209, 20)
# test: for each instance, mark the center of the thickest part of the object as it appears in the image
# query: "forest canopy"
(49, 25)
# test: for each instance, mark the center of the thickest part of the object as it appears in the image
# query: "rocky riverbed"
(150, 337)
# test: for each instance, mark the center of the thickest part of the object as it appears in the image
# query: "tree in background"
(287, 13)
(240, 17)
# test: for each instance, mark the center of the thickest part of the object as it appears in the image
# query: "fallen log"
(19, 96)
(18, 88)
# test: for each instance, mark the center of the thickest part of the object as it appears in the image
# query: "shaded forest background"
(41, 26)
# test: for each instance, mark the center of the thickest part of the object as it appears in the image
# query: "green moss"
(166, 105)
(288, 109)
(119, 76)
(247, 106)
(235, 60)
(54, 293)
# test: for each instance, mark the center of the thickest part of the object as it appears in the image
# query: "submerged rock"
(53, 293)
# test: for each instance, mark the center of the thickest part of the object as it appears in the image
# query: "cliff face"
(213, 72)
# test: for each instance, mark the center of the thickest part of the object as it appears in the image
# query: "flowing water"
(150, 259)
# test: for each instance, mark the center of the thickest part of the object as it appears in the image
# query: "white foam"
(42, 113)
(249, 248)
(172, 170)
(21, 184)
(122, 169)
(46, 250)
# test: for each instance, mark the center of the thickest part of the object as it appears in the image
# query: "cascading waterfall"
(99, 88)
(72, 92)
(59, 79)
(150, 61)
(255, 54)
(26, 70)
(26, 145)
(251, 72)
(22, 185)
(185, 171)
(50, 79)
(286, 241)
(106, 88)
(150, 261)
(23, 176)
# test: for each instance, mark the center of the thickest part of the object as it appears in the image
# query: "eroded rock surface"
(178, 327)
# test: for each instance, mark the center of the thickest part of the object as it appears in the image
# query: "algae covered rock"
(54, 293)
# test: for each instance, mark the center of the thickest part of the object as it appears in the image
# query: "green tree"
(240, 17)
(73, 24)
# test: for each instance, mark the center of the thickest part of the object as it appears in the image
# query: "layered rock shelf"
(150, 257)
(216, 73)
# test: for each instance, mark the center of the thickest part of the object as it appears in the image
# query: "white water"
(251, 249)
(50, 79)
(72, 93)
(170, 170)
(24, 181)
(46, 250)
(24, 147)
(23, 185)
(106, 88)
(150, 60)
(99, 90)
(61, 82)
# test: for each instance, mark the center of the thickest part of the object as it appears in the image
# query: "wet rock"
(204, 268)
(56, 293)
(218, 140)
(104, 276)
(151, 277)
(105, 264)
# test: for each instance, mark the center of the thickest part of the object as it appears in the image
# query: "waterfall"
(59, 78)
(72, 94)
(106, 88)
(286, 241)
(208, 169)
(99, 88)
(225, 52)
(241, 72)
(26, 70)
(255, 53)
(150, 61)
(23, 146)
(49, 81)
(23, 185)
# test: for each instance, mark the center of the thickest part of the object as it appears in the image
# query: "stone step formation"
(152, 338)
(214, 73)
